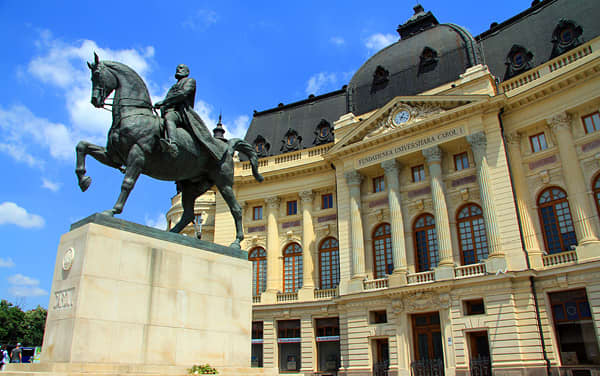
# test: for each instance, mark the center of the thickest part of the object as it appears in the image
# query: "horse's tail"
(245, 148)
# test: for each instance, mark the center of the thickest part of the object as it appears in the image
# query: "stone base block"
(131, 298)
(496, 264)
(588, 252)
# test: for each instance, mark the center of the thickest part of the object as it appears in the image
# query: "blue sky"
(244, 56)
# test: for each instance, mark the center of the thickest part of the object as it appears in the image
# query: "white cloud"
(202, 19)
(378, 41)
(159, 222)
(11, 213)
(6, 262)
(338, 41)
(24, 133)
(238, 128)
(64, 65)
(321, 82)
(23, 286)
(54, 187)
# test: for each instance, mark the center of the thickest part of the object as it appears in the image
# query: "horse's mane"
(129, 74)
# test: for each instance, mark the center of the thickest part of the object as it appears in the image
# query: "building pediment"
(406, 115)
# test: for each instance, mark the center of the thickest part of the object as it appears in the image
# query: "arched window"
(596, 189)
(425, 243)
(471, 232)
(329, 264)
(557, 225)
(258, 256)
(382, 251)
(292, 267)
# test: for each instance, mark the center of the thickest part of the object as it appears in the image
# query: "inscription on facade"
(331, 217)
(463, 181)
(63, 299)
(256, 229)
(590, 146)
(290, 224)
(542, 162)
(410, 146)
(419, 192)
(381, 201)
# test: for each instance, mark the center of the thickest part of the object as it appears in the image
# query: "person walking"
(4, 358)
(16, 356)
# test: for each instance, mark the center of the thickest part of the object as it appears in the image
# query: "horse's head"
(103, 82)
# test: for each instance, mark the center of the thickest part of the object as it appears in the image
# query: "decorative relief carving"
(273, 202)
(307, 196)
(420, 301)
(417, 111)
(545, 176)
(391, 167)
(353, 178)
(464, 194)
(68, 258)
(560, 122)
(63, 299)
(513, 139)
(478, 142)
(432, 154)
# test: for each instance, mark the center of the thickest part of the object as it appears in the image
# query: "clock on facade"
(401, 117)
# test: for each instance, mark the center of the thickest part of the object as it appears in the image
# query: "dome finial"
(418, 9)
(219, 131)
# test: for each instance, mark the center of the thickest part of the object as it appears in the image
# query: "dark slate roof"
(302, 116)
(455, 49)
(533, 30)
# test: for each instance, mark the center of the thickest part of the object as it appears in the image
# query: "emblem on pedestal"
(67, 261)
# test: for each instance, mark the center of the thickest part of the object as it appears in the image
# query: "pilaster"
(353, 179)
(577, 187)
(530, 238)
(433, 155)
(392, 171)
(308, 251)
(496, 260)
(273, 252)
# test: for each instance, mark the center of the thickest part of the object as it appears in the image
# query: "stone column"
(478, 143)
(308, 239)
(576, 184)
(353, 180)
(273, 251)
(433, 155)
(392, 171)
(532, 245)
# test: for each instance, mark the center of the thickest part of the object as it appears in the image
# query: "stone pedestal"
(130, 299)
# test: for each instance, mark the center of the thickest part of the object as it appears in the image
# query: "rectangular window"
(292, 207)
(538, 142)
(257, 213)
(461, 161)
(591, 122)
(378, 317)
(418, 173)
(474, 307)
(378, 184)
(327, 201)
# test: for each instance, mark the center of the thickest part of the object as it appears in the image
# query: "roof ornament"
(323, 133)
(566, 35)
(419, 22)
(291, 141)
(518, 60)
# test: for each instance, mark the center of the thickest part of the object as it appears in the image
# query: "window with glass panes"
(418, 173)
(425, 243)
(257, 213)
(591, 122)
(557, 224)
(461, 161)
(378, 184)
(329, 264)
(292, 207)
(382, 251)
(292, 267)
(471, 233)
(258, 256)
(538, 142)
(327, 201)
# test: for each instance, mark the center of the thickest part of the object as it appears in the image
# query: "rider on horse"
(177, 111)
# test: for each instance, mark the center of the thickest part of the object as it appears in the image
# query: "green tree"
(11, 322)
(33, 326)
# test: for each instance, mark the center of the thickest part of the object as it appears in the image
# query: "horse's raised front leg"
(135, 163)
(99, 153)
(189, 192)
(236, 211)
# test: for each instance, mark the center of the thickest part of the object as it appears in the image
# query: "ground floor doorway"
(428, 345)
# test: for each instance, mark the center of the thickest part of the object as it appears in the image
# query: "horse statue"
(133, 147)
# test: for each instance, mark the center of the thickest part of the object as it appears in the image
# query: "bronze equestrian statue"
(197, 162)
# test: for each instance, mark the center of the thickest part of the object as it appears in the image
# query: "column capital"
(433, 154)
(307, 196)
(513, 139)
(353, 178)
(391, 166)
(560, 121)
(273, 202)
(478, 142)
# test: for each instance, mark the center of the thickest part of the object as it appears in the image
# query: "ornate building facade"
(439, 214)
